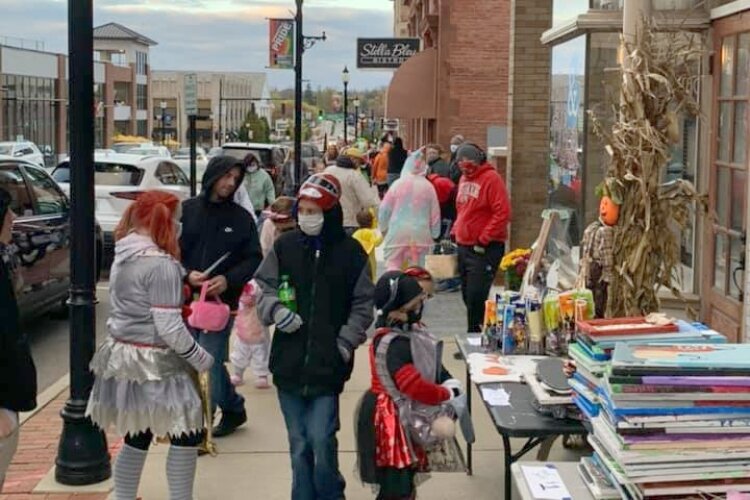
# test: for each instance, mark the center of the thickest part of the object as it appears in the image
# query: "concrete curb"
(46, 397)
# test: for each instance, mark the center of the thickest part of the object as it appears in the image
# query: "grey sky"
(230, 35)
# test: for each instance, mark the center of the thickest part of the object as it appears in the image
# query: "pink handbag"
(208, 315)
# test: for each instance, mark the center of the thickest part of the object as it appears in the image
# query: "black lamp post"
(356, 118)
(82, 456)
(163, 106)
(345, 79)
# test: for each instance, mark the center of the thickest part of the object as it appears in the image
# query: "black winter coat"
(210, 230)
(17, 370)
(334, 299)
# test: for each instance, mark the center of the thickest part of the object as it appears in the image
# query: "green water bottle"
(287, 294)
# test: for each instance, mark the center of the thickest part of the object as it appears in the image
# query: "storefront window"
(567, 118)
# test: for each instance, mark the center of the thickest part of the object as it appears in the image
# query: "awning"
(411, 94)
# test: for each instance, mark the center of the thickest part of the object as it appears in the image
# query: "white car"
(24, 150)
(182, 159)
(118, 179)
(148, 150)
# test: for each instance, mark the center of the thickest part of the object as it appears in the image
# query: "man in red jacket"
(480, 229)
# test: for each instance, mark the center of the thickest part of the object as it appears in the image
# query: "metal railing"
(22, 43)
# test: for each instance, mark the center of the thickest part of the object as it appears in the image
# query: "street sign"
(282, 125)
(390, 124)
(191, 94)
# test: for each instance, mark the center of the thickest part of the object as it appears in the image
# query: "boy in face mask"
(312, 354)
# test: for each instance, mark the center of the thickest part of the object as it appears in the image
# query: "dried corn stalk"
(658, 81)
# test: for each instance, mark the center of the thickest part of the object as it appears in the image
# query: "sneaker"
(229, 423)
(237, 380)
(262, 383)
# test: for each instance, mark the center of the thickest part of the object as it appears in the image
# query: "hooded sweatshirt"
(212, 229)
(483, 208)
(334, 298)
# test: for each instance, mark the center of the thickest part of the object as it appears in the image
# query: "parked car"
(182, 158)
(40, 252)
(25, 150)
(271, 157)
(149, 150)
(121, 147)
(118, 180)
(214, 152)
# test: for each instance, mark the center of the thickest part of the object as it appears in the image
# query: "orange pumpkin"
(609, 211)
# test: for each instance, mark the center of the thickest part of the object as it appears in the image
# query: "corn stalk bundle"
(659, 78)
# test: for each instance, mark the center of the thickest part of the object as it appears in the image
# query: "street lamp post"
(163, 106)
(82, 456)
(345, 79)
(356, 118)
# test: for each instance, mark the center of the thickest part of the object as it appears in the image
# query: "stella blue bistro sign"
(385, 53)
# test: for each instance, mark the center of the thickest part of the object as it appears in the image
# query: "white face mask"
(178, 229)
(454, 148)
(311, 225)
(252, 169)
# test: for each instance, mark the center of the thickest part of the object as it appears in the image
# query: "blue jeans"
(311, 424)
(392, 178)
(223, 393)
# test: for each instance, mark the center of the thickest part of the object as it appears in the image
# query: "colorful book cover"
(696, 380)
(683, 357)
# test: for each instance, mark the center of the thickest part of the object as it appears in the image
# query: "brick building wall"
(473, 54)
(528, 117)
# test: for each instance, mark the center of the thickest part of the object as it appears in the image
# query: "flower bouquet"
(514, 266)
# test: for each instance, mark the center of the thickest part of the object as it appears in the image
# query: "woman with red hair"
(144, 369)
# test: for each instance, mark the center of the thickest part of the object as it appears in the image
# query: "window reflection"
(566, 130)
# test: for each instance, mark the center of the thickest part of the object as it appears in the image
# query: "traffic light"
(283, 109)
(320, 115)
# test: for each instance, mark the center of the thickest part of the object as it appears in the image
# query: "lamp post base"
(82, 455)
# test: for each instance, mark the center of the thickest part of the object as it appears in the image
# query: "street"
(49, 340)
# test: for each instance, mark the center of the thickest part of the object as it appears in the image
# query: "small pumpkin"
(609, 211)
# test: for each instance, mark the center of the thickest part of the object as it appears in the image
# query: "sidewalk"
(254, 462)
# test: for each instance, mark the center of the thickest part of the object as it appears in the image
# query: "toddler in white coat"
(252, 340)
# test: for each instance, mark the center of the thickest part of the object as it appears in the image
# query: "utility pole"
(345, 80)
(298, 52)
(82, 455)
(301, 43)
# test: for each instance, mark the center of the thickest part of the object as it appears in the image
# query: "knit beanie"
(394, 290)
(322, 189)
(470, 152)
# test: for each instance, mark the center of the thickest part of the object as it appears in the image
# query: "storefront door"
(725, 236)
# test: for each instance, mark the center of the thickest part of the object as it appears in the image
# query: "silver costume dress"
(145, 368)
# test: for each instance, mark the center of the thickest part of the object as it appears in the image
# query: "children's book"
(681, 359)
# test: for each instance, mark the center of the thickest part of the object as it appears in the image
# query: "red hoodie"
(483, 208)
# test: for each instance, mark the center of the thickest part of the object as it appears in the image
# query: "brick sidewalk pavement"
(37, 449)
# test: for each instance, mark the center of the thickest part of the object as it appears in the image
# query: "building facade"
(458, 83)
(553, 62)
(34, 90)
(126, 54)
(224, 101)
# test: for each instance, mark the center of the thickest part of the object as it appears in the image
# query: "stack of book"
(593, 348)
(675, 420)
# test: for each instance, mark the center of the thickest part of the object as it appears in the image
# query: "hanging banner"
(281, 43)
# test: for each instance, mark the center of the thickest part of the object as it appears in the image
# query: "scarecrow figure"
(597, 254)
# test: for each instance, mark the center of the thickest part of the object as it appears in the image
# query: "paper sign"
(545, 483)
(474, 341)
(496, 397)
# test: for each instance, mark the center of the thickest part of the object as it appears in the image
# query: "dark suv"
(270, 156)
(40, 253)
